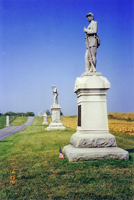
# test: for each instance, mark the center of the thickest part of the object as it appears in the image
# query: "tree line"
(10, 113)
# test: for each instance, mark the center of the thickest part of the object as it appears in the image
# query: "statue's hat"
(91, 14)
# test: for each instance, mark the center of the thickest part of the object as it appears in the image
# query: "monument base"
(93, 140)
(45, 123)
(84, 154)
(55, 126)
(56, 120)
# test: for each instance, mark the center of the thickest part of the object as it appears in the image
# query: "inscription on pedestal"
(79, 115)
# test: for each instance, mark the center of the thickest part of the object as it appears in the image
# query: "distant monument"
(55, 118)
(39, 113)
(92, 139)
(7, 119)
(45, 119)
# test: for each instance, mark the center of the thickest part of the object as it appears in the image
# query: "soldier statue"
(92, 43)
(55, 93)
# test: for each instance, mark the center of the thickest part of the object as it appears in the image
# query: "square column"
(7, 120)
(92, 123)
(56, 120)
(45, 119)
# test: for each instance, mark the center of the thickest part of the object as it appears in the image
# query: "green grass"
(3, 121)
(19, 121)
(38, 121)
(40, 174)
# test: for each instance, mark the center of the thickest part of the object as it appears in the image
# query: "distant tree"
(30, 114)
(12, 113)
(7, 113)
(21, 114)
(1, 114)
(48, 112)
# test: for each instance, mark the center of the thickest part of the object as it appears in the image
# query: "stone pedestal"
(55, 119)
(84, 154)
(7, 120)
(92, 139)
(45, 119)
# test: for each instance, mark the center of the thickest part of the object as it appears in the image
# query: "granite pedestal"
(92, 139)
(55, 119)
(7, 120)
(45, 119)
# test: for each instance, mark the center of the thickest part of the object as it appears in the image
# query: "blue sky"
(42, 44)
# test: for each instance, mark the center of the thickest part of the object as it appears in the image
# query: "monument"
(7, 119)
(55, 118)
(39, 113)
(92, 139)
(45, 119)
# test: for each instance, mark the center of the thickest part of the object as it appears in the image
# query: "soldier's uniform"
(92, 42)
(55, 94)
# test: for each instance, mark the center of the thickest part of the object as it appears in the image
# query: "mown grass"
(40, 174)
(19, 121)
(38, 121)
(3, 121)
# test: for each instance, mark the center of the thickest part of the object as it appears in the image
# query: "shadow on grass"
(6, 141)
(130, 150)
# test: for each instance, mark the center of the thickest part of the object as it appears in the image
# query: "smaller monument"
(7, 120)
(55, 118)
(45, 119)
(39, 113)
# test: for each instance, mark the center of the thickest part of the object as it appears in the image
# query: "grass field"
(3, 121)
(30, 167)
(19, 121)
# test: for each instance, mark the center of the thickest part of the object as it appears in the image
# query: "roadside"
(5, 132)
